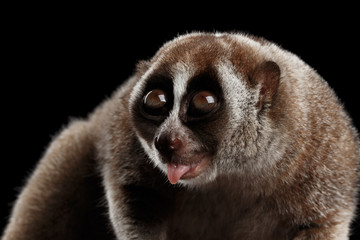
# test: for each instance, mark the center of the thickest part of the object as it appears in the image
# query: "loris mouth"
(176, 171)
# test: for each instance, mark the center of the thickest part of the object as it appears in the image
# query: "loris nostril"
(175, 144)
(166, 145)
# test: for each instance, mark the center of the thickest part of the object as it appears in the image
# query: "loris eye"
(154, 102)
(202, 103)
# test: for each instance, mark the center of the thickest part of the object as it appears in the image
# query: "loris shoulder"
(218, 136)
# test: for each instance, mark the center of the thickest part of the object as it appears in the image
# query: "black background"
(60, 62)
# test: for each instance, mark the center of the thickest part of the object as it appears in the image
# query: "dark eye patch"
(147, 116)
(207, 80)
(202, 103)
(154, 101)
(203, 98)
(157, 98)
(162, 82)
(155, 105)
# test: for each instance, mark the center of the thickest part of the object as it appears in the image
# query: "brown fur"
(289, 169)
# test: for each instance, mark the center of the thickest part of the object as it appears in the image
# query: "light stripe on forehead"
(181, 72)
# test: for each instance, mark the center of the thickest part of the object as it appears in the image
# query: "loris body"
(218, 136)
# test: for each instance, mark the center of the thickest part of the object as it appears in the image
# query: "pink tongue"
(176, 171)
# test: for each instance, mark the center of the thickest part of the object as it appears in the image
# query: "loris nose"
(166, 145)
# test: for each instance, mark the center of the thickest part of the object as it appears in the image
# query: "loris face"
(198, 105)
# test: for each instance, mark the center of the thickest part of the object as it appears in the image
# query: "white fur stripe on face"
(182, 72)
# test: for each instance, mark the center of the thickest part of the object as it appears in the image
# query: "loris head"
(201, 106)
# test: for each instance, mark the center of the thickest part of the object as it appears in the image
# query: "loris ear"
(142, 67)
(267, 74)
